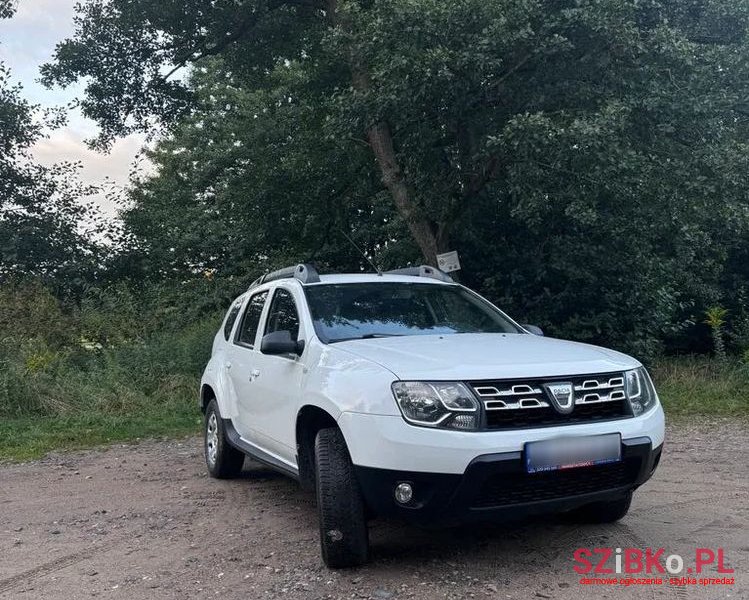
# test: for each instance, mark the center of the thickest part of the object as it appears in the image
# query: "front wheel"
(223, 460)
(602, 512)
(344, 537)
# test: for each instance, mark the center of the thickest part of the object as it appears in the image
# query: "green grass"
(702, 387)
(100, 406)
(98, 402)
(32, 437)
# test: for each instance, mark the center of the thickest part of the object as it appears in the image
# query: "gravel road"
(144, 521)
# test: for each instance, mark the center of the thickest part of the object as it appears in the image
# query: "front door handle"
(254, 374)
(227, 365)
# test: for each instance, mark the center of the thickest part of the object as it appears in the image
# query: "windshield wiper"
(369, 336)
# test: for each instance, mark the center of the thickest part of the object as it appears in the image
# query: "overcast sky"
(28, 41)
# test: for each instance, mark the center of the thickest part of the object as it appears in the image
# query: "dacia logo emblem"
(562, 396)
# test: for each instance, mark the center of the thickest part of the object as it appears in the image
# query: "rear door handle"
(227, 365)
(254, 374)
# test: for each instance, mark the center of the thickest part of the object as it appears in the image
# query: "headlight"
(640, 391)
(437, 404)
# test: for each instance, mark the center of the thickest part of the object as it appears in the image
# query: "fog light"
(403, 493)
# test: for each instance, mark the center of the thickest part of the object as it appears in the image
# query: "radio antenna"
(360, 251)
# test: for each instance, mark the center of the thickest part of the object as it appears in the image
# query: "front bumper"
(388, 442)
(497, 487)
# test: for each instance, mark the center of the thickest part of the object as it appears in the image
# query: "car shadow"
(407, 544)
(258, 472)
(546, 537)
(542, 541)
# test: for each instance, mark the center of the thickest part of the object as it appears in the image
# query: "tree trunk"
(423, 231)
(430, 237)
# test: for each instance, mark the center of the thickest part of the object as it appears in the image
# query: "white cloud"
(97, 168)
(27, 41)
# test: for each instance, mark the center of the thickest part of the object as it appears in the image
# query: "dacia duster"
(405, 394)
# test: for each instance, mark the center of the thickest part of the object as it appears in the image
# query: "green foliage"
(50, 367)
(716, 317)
(38, 380)
(588, 159)
(141, 377)
(253, 198)
(32, 437)
(61, 389)
(29, 310)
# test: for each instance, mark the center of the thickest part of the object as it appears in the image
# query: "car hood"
(486, 356)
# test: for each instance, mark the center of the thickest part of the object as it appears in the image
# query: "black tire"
(227, 461)
(602, 512)
(344, 537)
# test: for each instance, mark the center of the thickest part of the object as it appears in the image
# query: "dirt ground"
(144, 521)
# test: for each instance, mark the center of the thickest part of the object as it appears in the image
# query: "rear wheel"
(344, 537)
(602, 512)
(222, 459)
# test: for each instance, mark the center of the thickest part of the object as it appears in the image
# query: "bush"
(28, 310)
(113, 354)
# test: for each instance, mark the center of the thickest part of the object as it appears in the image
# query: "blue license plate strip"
(572, 452)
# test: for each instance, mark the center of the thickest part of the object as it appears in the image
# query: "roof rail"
(305, 273)
(423, 271)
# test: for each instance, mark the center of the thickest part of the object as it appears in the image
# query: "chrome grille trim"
(613, 396)
(516, 390)
(592, 389)
(594, 384)
(522, 403)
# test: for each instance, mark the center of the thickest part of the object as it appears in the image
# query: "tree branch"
(203, 50)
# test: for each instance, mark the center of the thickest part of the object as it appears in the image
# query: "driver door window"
(283, 315)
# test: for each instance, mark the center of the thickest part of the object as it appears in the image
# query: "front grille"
(526, 403)
(504, 489)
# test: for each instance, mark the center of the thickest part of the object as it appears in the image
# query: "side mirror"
(280, 342)
(535, 330)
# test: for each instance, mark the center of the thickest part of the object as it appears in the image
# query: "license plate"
(572, 452)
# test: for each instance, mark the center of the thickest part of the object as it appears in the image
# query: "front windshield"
(366, 310)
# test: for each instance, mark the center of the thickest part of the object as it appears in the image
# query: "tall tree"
(435, 88)
(40, 208)
(237, 199)
(588, 157)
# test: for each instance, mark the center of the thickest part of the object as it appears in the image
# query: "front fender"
(343, 382)
(216, 377)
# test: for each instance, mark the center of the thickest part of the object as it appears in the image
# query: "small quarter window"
(251, 319)
(231, 317)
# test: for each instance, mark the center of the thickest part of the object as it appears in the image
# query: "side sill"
(256, 453)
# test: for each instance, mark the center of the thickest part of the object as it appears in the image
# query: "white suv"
(405, 394)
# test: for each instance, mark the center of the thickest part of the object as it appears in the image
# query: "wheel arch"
(207, 394)
(310, 419)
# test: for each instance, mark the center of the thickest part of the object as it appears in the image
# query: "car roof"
(374, 278)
